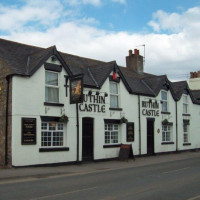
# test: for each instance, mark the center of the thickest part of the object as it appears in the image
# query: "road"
(171, 180)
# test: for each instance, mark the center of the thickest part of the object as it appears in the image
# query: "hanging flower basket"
(123, 120)
(63, 118)
(165, 122)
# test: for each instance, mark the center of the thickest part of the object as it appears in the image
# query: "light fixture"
(97, 92)
(53, 58)
(106, 94)
(90, 92)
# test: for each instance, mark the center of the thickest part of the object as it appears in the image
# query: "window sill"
(186, 114)
(166, 143)
(111, 146)
(166, 113)
(53, 149)
(117, 109)
(53, 104)
(186, 144)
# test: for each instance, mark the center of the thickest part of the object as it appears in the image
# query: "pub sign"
(28, 131)
(76, 90)
(130, 132)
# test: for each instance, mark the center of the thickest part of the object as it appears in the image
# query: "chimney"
(134, 61)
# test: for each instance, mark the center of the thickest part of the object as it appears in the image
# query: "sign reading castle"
(150, 108)
(93, 103)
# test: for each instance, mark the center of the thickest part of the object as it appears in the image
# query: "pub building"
(57, 108)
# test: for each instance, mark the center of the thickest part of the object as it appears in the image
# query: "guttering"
(176, 129)
(6, 128)
(139, 119)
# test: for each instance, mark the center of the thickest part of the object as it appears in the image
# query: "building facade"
(120, 105)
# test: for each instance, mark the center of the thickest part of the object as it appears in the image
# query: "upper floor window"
(185, 133)
(185, 104)
(164, 101)
(51, 87)
(114, 95)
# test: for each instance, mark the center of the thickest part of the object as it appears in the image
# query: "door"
(87, 139)
(150, 136)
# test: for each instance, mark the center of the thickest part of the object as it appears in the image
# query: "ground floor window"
(111, 133)
(166, 133)
(52, 134)
(185, 133)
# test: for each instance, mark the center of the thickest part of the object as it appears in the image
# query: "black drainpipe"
(139, 119)
(176, 129)
(6, 128)
(77, 126)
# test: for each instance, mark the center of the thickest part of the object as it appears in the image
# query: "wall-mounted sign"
(28, 131)
(76, 90)
(130, 132)
(150, 108)
(93, 103)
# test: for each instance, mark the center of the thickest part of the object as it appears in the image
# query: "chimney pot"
(135, 51)
(130, 52)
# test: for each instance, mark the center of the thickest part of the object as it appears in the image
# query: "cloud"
(174, 54)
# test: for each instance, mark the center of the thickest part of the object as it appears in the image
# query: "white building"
(162, 116)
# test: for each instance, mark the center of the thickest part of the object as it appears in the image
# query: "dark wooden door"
(87, 139)
(150, 136)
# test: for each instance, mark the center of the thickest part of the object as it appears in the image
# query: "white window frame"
(186, 104)
(113, 94)
(108, 139)
(59, 130)
(164, 100)
(167, 132)
(52, 86)
(186, 134)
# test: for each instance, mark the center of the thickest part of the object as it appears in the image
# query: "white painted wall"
(194, 83)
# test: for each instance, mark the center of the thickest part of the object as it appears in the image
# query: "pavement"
(25, 173)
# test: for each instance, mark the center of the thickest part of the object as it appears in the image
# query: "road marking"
(60, 194)
(194, 198)
(176, 170)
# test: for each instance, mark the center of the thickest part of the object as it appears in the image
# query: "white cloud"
(174, 54)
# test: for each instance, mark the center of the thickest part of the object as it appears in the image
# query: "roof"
(26, 59)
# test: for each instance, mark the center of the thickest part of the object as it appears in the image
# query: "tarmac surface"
(25, 173)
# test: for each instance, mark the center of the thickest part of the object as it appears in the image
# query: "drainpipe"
(139, 119)
(77, 126)
(6, 128)
(176, 129)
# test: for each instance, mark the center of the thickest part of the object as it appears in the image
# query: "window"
(114, 95)
(185, 104)
(51, 87)
(111, 133)
(164, 101)
(166, 133)
(52, 134)
(185, 133)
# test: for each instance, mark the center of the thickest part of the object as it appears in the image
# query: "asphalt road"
(172, 180)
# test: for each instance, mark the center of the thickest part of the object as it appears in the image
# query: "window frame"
(186, 103)
(57, 130)
(110, 133)
(113, 94)
(52, 86)
(165, 132)
(164, 101)
(186, 133)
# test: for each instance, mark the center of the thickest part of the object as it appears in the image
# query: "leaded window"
(111, 133)
(52, 134)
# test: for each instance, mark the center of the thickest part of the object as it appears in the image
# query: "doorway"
(150, 136)
(87, 139)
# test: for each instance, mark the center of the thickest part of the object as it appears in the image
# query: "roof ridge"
(6, 40)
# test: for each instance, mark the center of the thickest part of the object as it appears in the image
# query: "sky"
(106, 30)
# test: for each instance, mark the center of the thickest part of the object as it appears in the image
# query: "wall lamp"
(90, 92)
